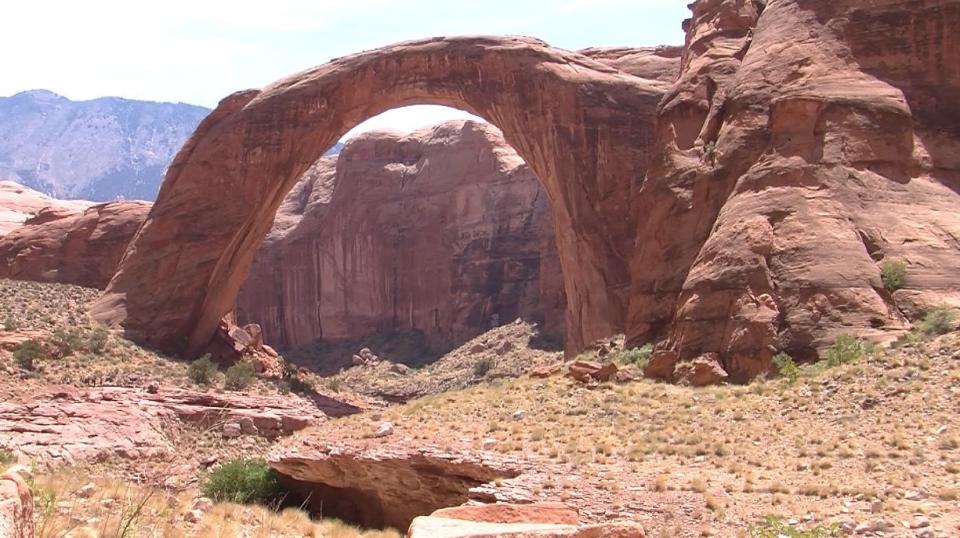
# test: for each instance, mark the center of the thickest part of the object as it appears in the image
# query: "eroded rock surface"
(553, 520)
(444, 231)
(16, 507)
(803, 146)
(19, 203)
(69, 247)
(71, 425)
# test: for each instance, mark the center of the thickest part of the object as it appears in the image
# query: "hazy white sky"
(198, 51)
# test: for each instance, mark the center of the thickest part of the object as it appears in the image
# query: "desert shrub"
(10, 325)
(202, 370)
(239, 376)
(786, 367)
(893, 274)
(97, 340)
(243, 481)
(332, 384)
(940, 320)
(773, 527)
(638, 356)
(6, 459)
(27, 354)
(846, 350)
(483, 366)
(65, 342)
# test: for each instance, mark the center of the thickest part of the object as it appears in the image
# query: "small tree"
(894, 275)
(202, 370)
(239, 376)
(846, 350)
(27, 353)
(98, 340)
(786, 367)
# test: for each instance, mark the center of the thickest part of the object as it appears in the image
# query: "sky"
(198, 51)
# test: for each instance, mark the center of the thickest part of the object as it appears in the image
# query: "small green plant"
(243, 481)
(239, 376)
(786, 367)
(846, 350)
(893, 274)
(27, 354)
(6, 459)
(202, 370)
(10, 325)
(332, 384)
(940, 320)
(97, 340)
(483, 366)
(638, 356)
(65, 342)
(773, 527)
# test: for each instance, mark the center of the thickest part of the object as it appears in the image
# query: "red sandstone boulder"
(701, 371)
(588, 371)
(65, 246)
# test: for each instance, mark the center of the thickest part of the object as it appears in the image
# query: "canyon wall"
(804, 145)
(444, 231)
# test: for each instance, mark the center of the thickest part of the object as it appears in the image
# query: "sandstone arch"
(583, 127)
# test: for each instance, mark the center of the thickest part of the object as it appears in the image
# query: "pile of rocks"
(365, 357)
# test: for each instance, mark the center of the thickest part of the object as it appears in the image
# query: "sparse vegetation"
(893, 274)
(27, 354)
(10, 325)
(64, 342)
(638, 356)
(940, 320)
(786, 367)
(6, 459)
(483, 366)
(239, 376)
(773, 527)
(202, 371)
(98, 340)
(846, 350)
(243, 481)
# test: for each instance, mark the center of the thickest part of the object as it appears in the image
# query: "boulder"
(588, 371)
(16, 507)
(701, 371)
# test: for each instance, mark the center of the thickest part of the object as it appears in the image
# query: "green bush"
(638, 356)
(65, 342)
(202, 370)
(27, 354)
(773, 527)
(846, 350)
(239, 376)
(10, 325)
(894, 275)
(243, 481)
(97, 340)
(786, 367)
(483, 366)
(940, 320)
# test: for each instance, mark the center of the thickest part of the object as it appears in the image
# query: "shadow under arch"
(581, 126)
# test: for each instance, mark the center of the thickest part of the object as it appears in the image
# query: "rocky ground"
(870, 447)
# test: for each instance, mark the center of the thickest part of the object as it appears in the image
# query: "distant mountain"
(98, 150)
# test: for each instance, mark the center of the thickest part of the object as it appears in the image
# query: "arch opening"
(409, 242)
(582, 127)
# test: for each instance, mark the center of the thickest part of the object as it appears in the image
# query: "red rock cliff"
(445, 231)
(805, 144)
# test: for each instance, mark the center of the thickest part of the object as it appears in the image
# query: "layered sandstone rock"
(543, 520)
(68, 247)
(803, 145)
(444, 231)
(19, 203)
(582, 126)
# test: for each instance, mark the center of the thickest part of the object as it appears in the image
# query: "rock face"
(804, 145)
(445, 231)
(19, 203)
(97, 150)
(70, 425)
(16, 507)
(582, 127)
(71, 248)
(553, 520)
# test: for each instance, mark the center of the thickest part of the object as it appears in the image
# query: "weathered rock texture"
(583, 127)
(801, 148)
(444, 231)
(68, 247)
(70, 425)
(16, 507)
(543, 520)
(19, 203)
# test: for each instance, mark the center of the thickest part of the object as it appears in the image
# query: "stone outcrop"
(582, 126)
(19, 203)
(552, 520)
(16, 507)
(803, 145)
(71, 425)
(58, 245)
(444, 231)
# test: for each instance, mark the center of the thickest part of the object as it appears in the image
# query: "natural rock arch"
(582, 126)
